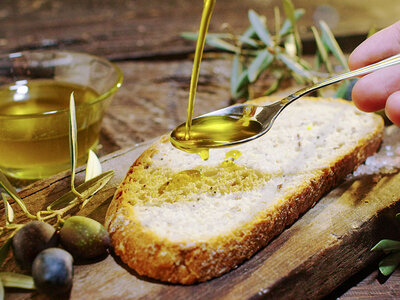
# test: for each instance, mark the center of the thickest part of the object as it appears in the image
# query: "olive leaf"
(304, 63)
(14, 195)
(388, 264)
(323, 54)
(221, 44)
(341, 92)
(332, 44)
(288, 7)
(249, 41)
(287, 25)
(259, 27)
(214, 40)
(86, 190)
(247, 38)
(8, 187)
(241, 88)
(73, 142)
(193, 36)
(16, 280)
(249, 33)
(235, 72)
(317, 61)
(9, 212)
(345, 89)
(4, 250)
(290, 45)
(239, 78)
(259, 64)
(277, 22)
(387, 245)
(93, 166)
(295, 66)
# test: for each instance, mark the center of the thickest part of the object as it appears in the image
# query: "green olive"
(84, 238)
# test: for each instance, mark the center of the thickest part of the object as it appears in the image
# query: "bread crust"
(159, 258)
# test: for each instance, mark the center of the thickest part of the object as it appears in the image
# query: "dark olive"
(52, 271)
(31, 239)
(84, 238)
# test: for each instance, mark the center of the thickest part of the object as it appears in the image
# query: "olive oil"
(201, 39)
(34, 140)
(233, 154)
(214, 131)
(198, 135)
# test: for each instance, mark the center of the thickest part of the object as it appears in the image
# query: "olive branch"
(277, 53)
(78, 196)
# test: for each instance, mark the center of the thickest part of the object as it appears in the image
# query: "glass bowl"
(35, 88)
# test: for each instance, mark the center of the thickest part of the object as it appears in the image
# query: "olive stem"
(85, 202)
(24, 209)
(57, 213)
(11, 227)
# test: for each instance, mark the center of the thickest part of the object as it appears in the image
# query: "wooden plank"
(317, 253)
(375, 286)
(124, 30)
(141, 29)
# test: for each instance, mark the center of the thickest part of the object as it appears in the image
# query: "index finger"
(382, 44)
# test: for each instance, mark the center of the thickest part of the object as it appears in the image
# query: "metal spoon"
(266, 115)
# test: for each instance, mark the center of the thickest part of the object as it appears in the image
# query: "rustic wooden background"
(143, 38)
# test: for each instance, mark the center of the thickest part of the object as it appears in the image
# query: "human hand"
(380, 89)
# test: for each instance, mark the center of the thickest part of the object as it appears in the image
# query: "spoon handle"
(393, 60)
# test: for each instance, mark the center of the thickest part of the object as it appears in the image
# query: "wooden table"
(142, 37)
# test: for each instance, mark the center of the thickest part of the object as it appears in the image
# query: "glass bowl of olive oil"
(35, 88)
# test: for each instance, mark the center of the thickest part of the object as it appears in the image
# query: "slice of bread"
(180, 219)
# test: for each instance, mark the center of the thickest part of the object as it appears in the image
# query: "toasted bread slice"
(180, 219)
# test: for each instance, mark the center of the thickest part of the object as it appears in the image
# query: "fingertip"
(357, 58)
(392, 108)
(365, 99)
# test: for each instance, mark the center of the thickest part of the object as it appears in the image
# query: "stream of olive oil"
(201, 39)
(198, 135)
(34, 147)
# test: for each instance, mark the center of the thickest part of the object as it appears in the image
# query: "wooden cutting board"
(327, 245)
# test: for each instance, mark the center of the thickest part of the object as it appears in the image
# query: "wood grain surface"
(123, 29)
(326, 246)
(143, 37)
